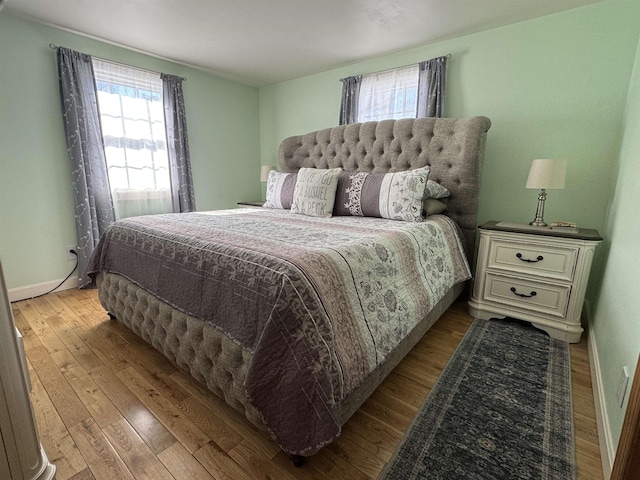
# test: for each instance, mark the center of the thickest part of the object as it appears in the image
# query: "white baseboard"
(607, 451)
(30, 291)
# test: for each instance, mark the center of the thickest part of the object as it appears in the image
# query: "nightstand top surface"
(581, 234)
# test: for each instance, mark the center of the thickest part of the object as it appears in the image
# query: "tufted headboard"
(453, 147)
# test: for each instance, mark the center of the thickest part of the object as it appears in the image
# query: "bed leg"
(298, 460)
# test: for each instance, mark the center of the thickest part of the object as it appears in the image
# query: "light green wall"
(553, 87)
(616, 323)
(36, 205)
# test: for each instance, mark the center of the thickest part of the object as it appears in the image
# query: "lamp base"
(538, 221)
(537, 224)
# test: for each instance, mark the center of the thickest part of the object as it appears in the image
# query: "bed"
(295, 318)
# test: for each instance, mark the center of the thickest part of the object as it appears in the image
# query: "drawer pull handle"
(528, 260)
(524, 295)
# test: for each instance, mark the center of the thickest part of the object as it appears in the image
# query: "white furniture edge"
(23, 453)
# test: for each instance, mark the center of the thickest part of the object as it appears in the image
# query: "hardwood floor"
(108, 406)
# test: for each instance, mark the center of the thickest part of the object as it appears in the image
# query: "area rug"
(501, 409)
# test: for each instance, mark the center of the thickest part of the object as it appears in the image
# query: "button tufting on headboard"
(453, 147)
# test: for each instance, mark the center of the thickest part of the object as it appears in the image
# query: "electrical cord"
(58, 286)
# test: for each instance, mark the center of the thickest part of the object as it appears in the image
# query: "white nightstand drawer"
(533, 259)
(528, 294)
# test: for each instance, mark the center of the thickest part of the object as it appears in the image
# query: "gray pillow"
(431, 206)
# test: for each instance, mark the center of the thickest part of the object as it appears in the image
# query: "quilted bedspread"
(320, 302)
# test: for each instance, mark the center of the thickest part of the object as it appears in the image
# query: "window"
(406, 92)
(134, 136)
(391, 94)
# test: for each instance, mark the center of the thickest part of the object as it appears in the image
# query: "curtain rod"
(448, 55)
(55, 47)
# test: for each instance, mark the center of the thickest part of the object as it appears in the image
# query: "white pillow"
(401, 194)
(315, 191)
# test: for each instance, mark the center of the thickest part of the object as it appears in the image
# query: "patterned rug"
(500, 410)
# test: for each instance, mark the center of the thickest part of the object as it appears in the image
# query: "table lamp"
(264, 172)
(545, 173)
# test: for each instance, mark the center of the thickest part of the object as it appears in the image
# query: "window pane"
(132, 118)
(389, 94)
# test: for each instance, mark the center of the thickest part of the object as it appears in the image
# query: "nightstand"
(250, 204)
(537, 274)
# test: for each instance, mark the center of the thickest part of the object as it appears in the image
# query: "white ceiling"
(260, 42)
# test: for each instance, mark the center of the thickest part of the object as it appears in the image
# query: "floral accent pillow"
(280, 188)
(435, 190)
(397, 196)
(315, 191)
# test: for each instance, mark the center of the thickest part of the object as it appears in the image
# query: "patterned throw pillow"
(315, 191)
(280, 188)
(435, 190)
(397, 196)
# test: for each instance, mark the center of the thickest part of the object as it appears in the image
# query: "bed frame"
(454, 148)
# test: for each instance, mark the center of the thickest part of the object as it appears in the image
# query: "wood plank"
(149, 363)
(100, 455)
(40, 327)
(398, 387)
(150, 429)
(224, 436)
(219, 464)
(353, 452)
(259, 440)
(83, 475)
(68, 405)
(136, 455)
(42, 306)
(54, 436)
(171, 417)
(386, 412)
(323, 465)
(85, 356)
(378, 433)
(89, 393)
(75, 300)
(63, 310)
(259, 466)
(182, 465)
(29, 337)
(104, 345)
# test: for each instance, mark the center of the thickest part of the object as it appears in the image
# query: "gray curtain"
(349, 102)
(431, 87)
(178, 145)
(90, 181)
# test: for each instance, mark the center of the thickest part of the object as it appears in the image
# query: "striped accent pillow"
(397, 195)
(280, 188)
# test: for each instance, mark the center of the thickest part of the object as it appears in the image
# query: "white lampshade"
(264, 172)
(547, 173)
